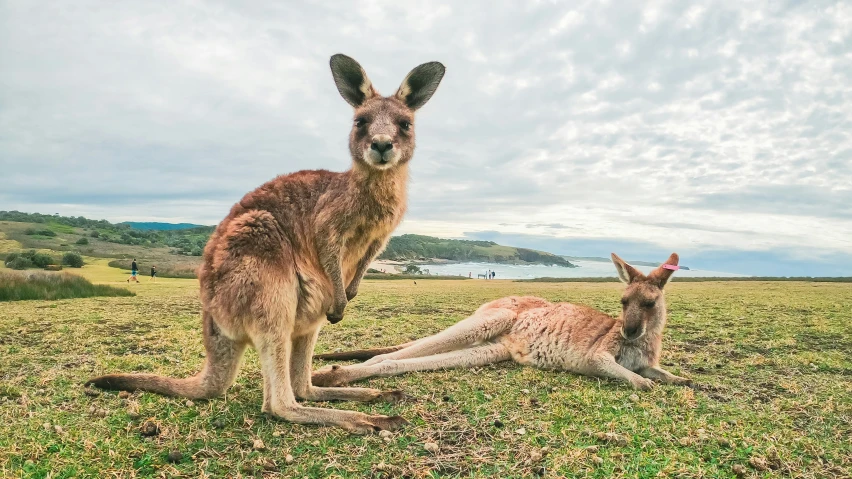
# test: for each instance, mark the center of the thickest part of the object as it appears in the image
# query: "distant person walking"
(493, 274)
(153, 273)
(134, 270)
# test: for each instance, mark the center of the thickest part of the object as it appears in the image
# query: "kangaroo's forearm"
(329, 256)
(372, 251)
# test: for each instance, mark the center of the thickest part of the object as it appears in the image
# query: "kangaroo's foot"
(352, 421)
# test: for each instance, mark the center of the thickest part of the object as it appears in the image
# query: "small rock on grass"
(123, 394)
(597, 459)
(758, 463)
(520, 431)
(289, 459)
(634, 398)
(738, 470)
(175, 456)
(613, 438)
(431, 447)
(149, 429)
(258, 445)
(189, 403)
(385, 434)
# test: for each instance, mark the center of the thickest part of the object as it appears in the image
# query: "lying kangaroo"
(535, 332)
(292, 253)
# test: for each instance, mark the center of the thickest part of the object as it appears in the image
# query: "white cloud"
(715, 125)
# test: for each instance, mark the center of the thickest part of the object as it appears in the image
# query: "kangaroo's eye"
(359, 122)
(405, 125)
(648, 304)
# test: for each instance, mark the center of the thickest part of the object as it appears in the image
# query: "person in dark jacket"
(134, 270)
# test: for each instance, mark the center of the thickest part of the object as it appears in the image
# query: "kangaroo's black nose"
(632, 331)
(382, 145)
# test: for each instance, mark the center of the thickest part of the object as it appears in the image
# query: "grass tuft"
(48, 286)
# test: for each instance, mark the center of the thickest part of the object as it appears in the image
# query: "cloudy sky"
(721, 130)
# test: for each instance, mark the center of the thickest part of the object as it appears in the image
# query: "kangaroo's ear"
(420, 84)
(661, 275)
(351, 80)
(626, 273)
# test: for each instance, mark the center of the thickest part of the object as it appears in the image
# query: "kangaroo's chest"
(358, 241)
(639, 355)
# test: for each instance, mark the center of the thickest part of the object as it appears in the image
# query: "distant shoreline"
(390, 266)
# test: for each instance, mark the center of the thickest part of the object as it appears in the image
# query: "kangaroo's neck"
(382, 190)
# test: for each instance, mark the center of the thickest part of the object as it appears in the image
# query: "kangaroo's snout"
(381, 143)
(633, 331)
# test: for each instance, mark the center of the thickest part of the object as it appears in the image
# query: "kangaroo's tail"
(361, 354)
(220, 369)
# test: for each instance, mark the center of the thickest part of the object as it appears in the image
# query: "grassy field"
(771, 363)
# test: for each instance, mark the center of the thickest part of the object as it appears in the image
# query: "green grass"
(168, 271)
(699, 279)
(770, 359)
(415, 277)
(52, 286)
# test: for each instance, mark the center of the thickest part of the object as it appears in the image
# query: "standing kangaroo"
(533, 331)
(292, 253)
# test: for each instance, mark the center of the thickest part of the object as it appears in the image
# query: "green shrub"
(39, 260)
(82, 241)
(19, 262)
(30, 231)
(46, 233)
(94, 234)
(412, 269)
(72, 259)
(50, 286)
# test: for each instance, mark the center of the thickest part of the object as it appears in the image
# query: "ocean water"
(586, 269)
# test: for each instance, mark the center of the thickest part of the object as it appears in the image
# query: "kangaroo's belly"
(563, 337)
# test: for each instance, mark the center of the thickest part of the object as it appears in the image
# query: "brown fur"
(291, 254)
(538, 333)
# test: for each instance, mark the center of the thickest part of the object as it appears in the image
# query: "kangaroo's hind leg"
(462, 358)
(300, 376)
(479, 327)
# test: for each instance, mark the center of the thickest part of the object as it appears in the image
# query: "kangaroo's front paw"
(336, 312)
(680, 381)
(351, 293)
(643, 384)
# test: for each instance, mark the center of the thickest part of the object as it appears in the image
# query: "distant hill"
(154, 226)
(423, 248)
(179, 241)
(187, 241)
